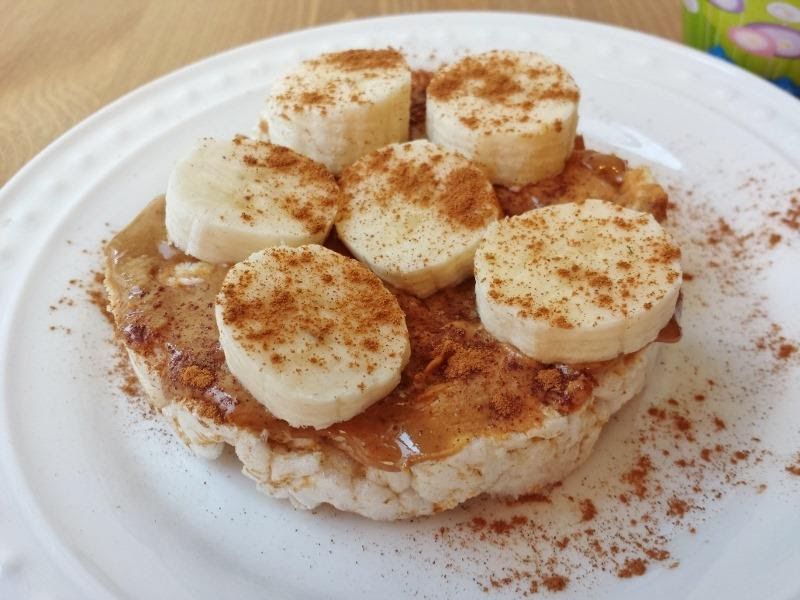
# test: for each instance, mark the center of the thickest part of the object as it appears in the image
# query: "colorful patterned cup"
(761, 36)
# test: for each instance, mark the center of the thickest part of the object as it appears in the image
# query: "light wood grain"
(61, 60)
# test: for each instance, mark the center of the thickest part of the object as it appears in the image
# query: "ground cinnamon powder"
(794, 468)
(492, 77)
(624, 548)
(633, 567)
(272, 313)
(197, 377)
(315, 203)
(460, 192)
(502, 80)
(364, 59)
(588, 510)
(338, 80)
(678, 439)
(686, 455)
(627, 539)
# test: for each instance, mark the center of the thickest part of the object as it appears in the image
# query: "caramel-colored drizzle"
(459, 384)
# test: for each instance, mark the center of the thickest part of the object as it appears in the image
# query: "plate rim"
(132, 99)
(152, 84)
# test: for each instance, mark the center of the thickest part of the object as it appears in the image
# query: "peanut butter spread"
(590, 174)
(459, 384)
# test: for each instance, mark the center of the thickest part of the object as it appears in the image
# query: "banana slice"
(577, 282)
(415, 214)
(228, 199)
(313, 335)
(514, 113)
(340, 106)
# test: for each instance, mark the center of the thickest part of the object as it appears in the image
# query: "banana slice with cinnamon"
(577, 282)
(339, 106)
(514, 113)
(313, 335)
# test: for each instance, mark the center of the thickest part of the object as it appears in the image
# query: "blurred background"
(61, 60)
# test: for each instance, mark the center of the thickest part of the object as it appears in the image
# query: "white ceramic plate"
(98, 502)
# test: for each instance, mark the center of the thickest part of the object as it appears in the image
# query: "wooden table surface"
(61, 60)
